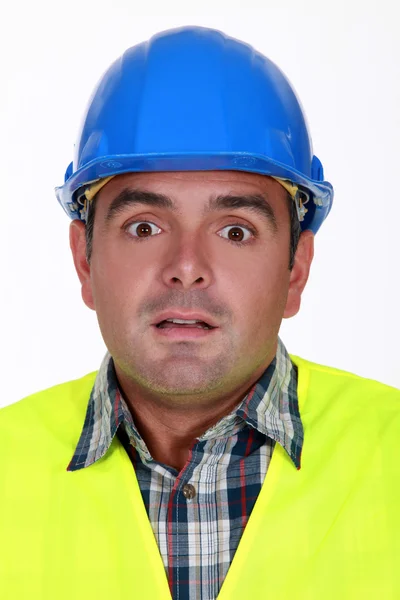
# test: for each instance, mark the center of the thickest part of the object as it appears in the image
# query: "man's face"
(196, 251)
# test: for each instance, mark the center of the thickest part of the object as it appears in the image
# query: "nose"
(187, 265)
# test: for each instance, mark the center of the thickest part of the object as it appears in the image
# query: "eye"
(238, 233)
(142, 229)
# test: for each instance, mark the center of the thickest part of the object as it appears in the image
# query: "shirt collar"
(270, 406)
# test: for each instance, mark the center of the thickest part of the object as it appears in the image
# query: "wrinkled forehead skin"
(190, 188)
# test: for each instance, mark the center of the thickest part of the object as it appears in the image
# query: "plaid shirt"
(199, 514)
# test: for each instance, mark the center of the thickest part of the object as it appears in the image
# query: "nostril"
(198, 280)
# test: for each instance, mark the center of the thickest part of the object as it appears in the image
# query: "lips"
(199, 325)
(203, 320)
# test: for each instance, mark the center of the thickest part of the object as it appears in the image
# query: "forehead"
(201, 185)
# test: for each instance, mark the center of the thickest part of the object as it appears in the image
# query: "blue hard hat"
(194, 99)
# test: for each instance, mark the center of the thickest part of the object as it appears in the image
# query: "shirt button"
(188, 491)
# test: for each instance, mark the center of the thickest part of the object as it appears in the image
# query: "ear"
(300, 273)
(77, 242)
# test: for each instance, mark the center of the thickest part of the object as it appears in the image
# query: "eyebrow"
(130, 198)
(256, 203)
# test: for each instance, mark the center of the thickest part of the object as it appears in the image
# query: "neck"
(170, 426)
(169, 432)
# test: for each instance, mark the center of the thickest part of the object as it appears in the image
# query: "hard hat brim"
(321, 192)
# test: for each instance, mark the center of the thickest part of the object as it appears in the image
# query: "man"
(201, 460)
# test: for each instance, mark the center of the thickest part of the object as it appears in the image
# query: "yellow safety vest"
(329, 531)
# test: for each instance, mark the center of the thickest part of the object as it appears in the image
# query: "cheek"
(258, 294)
(119, 280)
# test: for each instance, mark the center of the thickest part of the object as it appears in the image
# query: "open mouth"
(183, 324)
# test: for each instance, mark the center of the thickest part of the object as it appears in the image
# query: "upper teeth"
(182, 321)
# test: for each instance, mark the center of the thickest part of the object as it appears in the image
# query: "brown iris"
(142, 229)
(233, 234)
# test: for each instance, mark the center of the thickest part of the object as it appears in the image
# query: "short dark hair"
(295, 229)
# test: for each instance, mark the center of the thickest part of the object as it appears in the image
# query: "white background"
(343, 59)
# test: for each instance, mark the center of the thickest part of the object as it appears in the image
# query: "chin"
(177, 376)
